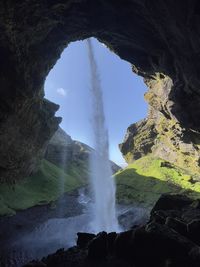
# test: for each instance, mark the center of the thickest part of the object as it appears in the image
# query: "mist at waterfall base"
(57, 232)
(102, 182)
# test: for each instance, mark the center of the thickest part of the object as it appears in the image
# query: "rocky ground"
(170, 238)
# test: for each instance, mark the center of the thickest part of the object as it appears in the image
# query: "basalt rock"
(24, 136)
(171, 242)
(35, 264)
(171, 202)
(161, 133)
(84, 239)
(97, 248)
(161, 40)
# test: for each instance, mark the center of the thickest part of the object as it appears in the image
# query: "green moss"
(141, 182)
(145, 180)
(40, 188)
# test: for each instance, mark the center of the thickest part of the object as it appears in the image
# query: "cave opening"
(123, 95)
(67, 85)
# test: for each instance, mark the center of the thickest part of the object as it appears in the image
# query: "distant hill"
(64, 158)
(63, 151)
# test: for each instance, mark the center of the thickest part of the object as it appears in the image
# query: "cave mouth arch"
(67, 85)
(159, 38)
(138, 31)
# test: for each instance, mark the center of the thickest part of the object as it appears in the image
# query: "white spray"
(102, 182)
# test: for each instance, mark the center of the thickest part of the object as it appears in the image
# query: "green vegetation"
(40, 188)
(147, 178)
(141, 182)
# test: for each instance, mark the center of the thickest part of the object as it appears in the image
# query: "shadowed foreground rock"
(169, 239)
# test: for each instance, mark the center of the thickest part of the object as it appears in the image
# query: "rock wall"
(24, 135)
(157, 37)
(161, 132)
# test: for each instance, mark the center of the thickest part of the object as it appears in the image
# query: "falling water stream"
(103, 184)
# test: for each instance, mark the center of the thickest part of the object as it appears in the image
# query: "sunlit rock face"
(157, 37)
(161, 133)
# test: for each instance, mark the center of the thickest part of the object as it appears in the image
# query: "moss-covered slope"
(148, 177)
(66, 162)
(40, 188)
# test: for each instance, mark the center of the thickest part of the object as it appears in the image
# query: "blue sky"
(68, 84)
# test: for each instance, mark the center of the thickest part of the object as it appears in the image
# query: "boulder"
(111, 237)
(84, 239)
(194, 231)
(97, 248)
(169, 243)
(194, 254)
(196, 204)
(35, 264)
(177, 225)
(171, 202)
(122, 245)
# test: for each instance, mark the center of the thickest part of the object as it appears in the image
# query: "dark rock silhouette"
(159, 38)
(168, 242)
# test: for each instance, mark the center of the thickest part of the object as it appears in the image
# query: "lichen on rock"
(161, 133)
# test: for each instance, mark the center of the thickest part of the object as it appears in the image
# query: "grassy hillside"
(141, 182)
(147, 178)
(41, 188)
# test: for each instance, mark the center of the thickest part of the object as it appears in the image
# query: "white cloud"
(61, 91)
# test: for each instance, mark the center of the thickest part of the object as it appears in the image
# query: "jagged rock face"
(23, 138)
(156, 36)
(139, 140)
(161, 132)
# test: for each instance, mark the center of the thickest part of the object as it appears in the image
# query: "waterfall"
(102, 182)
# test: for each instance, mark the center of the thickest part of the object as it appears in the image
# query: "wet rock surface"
(158, 243)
